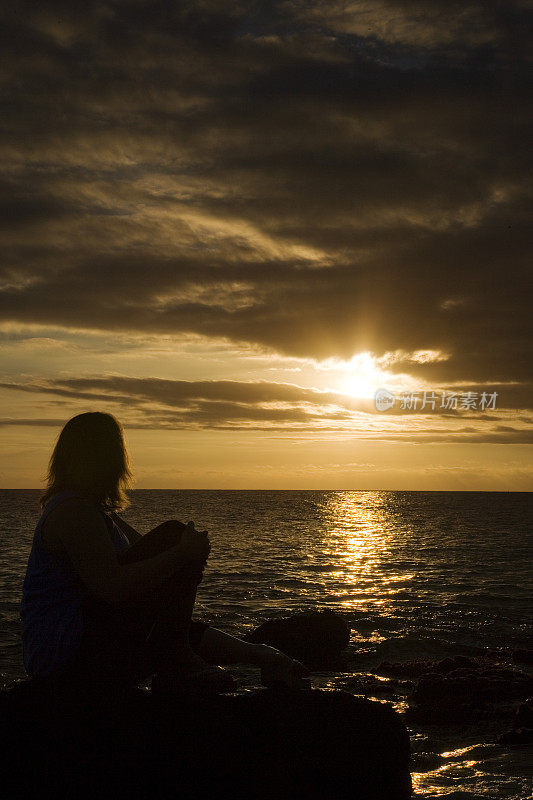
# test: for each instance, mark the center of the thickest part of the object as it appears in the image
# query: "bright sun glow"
(361, 376)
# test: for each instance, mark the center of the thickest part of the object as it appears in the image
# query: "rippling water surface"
(416, 575)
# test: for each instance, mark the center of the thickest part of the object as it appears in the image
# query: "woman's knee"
(168, 533)
(162, 538)
(172, 526)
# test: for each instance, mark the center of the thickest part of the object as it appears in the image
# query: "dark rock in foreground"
(261, 744)
(316, 638)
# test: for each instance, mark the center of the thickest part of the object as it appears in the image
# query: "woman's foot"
(207, 682)
(192, 675)
(280, 671)
(187, 662)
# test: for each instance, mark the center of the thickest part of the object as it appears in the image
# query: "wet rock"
(502, 654)
(450, 714)
(427, 762)
(369, 684)
(523, 656)
(461, 689)
(452, 664)
(316, 638)
(524, 714)
(518, 737)
(473, 686)
(497, 655)
(467, 695)
(522, 732)
(408, 669)
(415, 669)
(260, 744)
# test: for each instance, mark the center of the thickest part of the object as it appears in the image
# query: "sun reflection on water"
(359, 540)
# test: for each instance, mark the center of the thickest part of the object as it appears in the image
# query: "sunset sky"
(230, 223)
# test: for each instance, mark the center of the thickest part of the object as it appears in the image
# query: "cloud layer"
(270, 408)
(315, 179)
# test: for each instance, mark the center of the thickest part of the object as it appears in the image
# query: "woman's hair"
(90, 456)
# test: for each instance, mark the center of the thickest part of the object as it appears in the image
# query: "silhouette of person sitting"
(106, 607)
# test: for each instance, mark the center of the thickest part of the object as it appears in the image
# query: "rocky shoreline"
(345, 741)
(496, 685)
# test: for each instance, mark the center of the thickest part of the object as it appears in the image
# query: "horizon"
(285, 489)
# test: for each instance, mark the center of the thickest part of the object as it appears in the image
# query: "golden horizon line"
(284, 489)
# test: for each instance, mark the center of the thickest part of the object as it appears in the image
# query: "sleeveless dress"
(52, 599)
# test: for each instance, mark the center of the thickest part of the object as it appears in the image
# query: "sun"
(360, 376)
(359, 386)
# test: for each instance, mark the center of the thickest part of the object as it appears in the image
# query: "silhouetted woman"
(105, 607)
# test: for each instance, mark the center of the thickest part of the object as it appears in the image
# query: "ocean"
(416, 575)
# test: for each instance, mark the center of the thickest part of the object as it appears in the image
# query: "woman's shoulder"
(74, 508)
(63, 525)
(58, 519)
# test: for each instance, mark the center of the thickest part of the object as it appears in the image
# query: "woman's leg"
(175, 639)
(125, 642)
(162, 537)
(169, 614)
(218, 647)
(214, 646)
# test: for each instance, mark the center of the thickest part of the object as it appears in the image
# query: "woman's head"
(90, 455)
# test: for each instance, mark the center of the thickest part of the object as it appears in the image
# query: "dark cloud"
(31, 422)
(456, 25)
(511, 436)
(313, 178)
(206, 404)
(270, 406)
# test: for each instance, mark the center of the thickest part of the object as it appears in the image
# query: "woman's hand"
(277, 669)
(194, 545)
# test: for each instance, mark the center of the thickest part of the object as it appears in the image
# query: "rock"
(415, 669)
(523, 656)
(522, 732)
(317, 638)
(524, 714)
(452, 664)
(502, 654)
(475, 687)
(368, 684)
(518, 737)
(467, 695)
(460, 689)
(260, 744)
(407, 669)
(427, 762)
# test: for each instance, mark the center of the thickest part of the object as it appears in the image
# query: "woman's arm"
(131, 533)
(217, 647)
(83, 533)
